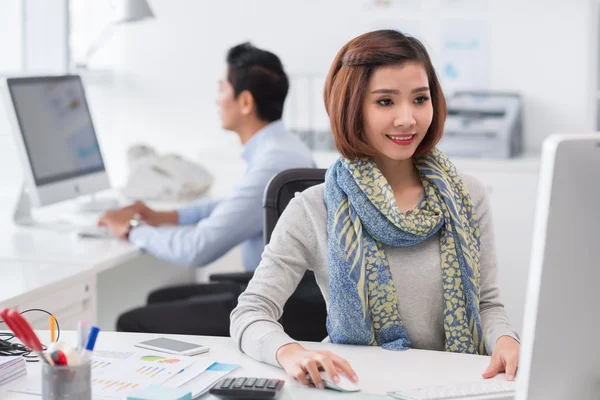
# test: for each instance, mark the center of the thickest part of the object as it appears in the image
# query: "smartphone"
(173, 346)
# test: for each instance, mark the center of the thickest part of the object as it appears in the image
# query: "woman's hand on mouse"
(504, 359)
(298, 362)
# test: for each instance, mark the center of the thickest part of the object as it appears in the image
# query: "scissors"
(23, 331)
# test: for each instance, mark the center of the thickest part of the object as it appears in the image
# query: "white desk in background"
(95, 279)
(77, 278)
(84, 278)
(379, 370)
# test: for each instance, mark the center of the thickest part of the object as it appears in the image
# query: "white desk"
(379, 370)
(76, 278)
(94, 279)
(84, 278)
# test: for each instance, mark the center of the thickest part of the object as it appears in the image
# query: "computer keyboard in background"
(99, 232)
(496, 389)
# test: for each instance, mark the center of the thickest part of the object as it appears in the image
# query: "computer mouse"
(344, 385)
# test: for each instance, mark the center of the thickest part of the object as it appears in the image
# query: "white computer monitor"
(56, 140)
(560, 353)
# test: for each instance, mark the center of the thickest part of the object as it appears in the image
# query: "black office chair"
(305, 312)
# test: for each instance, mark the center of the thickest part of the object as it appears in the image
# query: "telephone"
(163, 177)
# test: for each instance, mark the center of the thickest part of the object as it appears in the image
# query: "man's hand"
(148, 215)
(144, 212)
(117, 221)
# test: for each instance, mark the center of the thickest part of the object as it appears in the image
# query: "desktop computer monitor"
(560, 353)
(56, 139)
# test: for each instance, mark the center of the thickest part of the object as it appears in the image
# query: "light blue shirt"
(209, 229)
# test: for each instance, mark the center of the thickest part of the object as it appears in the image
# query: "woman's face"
(397, 110)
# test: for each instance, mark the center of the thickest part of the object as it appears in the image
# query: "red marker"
(59, 358)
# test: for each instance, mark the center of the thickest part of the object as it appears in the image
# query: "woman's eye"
(385, 102)
(421, 99)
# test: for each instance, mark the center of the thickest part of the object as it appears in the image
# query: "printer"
(483, 124)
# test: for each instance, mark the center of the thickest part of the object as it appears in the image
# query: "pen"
(52, 329)
(83, 330)
(89, 346)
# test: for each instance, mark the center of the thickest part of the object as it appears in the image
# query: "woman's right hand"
(298, 362)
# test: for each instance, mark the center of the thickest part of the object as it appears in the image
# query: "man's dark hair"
(261, 73)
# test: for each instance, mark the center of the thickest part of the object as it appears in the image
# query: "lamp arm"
(99, 41)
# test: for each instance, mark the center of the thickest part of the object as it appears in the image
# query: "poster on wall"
(464, 62)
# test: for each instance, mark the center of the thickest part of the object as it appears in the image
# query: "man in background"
(251, 96)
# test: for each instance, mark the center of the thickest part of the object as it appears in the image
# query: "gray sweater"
(299, 242)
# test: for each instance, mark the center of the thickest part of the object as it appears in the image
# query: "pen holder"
(68, 382)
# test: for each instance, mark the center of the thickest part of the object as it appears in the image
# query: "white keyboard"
(496, 389)
(93, 232)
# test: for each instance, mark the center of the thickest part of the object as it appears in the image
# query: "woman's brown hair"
(347, 82)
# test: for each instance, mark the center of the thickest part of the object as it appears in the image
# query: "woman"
(401, 244)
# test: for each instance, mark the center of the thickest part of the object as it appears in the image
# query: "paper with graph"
(115, 374)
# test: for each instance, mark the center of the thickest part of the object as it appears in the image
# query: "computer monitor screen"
(56, 127)
(560, 356)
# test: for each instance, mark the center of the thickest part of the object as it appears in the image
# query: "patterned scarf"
(362, 217)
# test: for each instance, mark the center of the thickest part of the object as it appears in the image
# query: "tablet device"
(171, 346)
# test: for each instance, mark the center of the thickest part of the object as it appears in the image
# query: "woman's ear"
(246, 101)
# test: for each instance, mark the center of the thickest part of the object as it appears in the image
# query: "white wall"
(10, 35)
(166, 69)
(45, 36)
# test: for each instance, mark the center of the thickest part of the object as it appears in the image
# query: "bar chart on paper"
(100, 364)
(150, 372)
(115, 374)
(112, 388)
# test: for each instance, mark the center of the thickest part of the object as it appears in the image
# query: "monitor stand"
(22, 214)
(92, 204)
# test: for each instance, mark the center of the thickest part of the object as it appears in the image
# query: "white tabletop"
(61, 245)
(26, 244)
(20, 278)
(379, 370)
(40, 259)
(54, 244)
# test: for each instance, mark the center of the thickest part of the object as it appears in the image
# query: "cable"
(17, 349)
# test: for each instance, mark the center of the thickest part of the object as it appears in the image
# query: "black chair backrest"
(305, 313)
(282, 189)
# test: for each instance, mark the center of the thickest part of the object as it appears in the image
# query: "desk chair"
(303, 316)
(305, 313)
